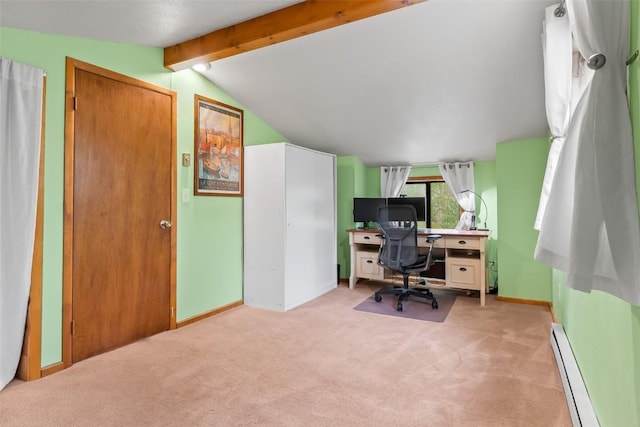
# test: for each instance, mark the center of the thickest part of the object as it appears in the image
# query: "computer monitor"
(365, 209)
(419, 203)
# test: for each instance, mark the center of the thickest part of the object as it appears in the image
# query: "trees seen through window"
(442, 209)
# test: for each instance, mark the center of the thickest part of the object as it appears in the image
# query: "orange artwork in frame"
(218, 169)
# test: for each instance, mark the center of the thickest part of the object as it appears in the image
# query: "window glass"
(442, 209)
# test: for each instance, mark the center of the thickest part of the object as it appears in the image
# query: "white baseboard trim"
(580, 407)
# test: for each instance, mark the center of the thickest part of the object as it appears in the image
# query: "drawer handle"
(369, 261)
(366, 237)
(462, 242)
(463, 269)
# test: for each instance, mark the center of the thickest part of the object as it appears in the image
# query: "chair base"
(405, 292)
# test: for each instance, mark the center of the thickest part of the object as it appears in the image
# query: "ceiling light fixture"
(202, 67)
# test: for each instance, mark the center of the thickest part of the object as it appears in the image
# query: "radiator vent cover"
(582, 413)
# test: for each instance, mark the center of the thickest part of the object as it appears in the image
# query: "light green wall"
(424, 171)
(604, 333)
(603, 330)
(209, 274)
(520, 167)
(372, 188)
(486, 186)
(351, 182)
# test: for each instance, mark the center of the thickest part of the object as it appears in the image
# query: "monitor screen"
(419, 203)
(365, 209)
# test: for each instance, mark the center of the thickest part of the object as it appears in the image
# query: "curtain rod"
(426, 165)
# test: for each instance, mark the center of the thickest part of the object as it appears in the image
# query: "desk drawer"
(367, 238)
(367, 265)
(463, 273)
(462, 243)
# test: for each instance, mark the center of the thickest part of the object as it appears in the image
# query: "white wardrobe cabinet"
(290, 249)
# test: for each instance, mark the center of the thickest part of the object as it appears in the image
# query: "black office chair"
(399, 251)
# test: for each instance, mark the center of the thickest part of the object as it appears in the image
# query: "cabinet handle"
(369, 261)
(462, 242)
(463, 269)
(366, 237)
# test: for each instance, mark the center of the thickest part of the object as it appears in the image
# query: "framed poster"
(218, 170)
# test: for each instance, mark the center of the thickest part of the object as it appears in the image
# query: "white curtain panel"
(459, 178)
(590, 228)
(20, 123)
(557, 51)
(392, 180)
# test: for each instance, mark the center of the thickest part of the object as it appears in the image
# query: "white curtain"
(590, 228)
(566, 76)
(20, 123)
(392, 180)
(459, 179)
(557, 51)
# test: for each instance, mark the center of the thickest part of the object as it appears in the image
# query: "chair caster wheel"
(434, 305)
(378, 298)
(399, 308)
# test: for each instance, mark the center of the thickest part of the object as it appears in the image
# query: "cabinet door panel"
(310, 225)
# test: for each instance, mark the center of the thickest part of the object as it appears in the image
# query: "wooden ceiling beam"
(281, 25)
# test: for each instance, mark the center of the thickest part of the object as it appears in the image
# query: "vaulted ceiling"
(433, 81)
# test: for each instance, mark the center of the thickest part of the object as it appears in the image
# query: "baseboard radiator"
(582, 413)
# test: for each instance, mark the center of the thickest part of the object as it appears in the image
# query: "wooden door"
(123, 143)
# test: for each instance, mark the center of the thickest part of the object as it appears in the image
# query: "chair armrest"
(433, 237)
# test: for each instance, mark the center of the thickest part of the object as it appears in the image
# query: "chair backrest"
(399, 226)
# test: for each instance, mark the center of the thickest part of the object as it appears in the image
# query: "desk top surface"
(442, 231)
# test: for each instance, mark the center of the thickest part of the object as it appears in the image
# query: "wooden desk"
(463, 252)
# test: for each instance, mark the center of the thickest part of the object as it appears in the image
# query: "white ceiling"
(440, 80)
(158, 23)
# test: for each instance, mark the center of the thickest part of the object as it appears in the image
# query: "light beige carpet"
(321, 364)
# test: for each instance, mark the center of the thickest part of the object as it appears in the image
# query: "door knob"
(165, 224)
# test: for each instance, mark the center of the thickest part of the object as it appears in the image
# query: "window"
(442, 209)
